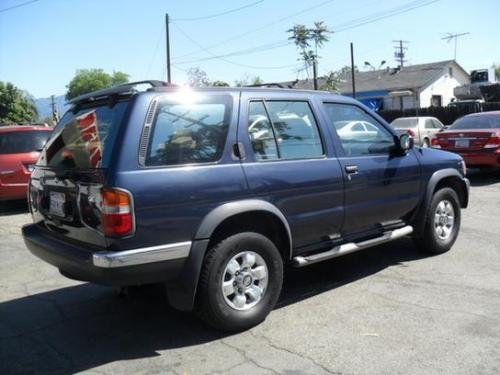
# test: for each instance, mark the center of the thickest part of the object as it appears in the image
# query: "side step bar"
(350, 247)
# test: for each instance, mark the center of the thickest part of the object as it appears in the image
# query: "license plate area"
(462, 143)
(57, 203)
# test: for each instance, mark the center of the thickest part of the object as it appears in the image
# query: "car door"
(291, 163)
(381, 185)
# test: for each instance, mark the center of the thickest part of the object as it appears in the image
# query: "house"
(422, 85)
(413, 86)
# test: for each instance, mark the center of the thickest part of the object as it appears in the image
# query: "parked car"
(356, 129)
(422, 129)
(20, 147)
(214, 191)
(475, 137)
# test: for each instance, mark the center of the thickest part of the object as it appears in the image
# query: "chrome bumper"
(112, 259)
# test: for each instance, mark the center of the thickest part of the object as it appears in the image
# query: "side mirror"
(405, 142)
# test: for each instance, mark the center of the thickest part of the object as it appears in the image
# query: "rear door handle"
(351, 168)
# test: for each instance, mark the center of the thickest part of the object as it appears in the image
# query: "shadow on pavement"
(13, 207)
(483, 178)
(81, 327)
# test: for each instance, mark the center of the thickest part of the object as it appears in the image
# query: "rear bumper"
(13, 191)
(121, 268)
(480, 159)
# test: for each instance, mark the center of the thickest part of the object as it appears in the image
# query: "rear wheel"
(442, 222)
(240, 282)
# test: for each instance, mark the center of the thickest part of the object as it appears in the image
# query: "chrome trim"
(113, 259)
(350, 247)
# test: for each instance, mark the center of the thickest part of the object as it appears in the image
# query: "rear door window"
(84, 138)
(283, 130)
(22, 141)
(187, 133)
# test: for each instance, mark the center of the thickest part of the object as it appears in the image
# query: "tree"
(197, 77)
(16, 106)
(497, 71)
(334, 78)
(246, 80)
(257, 80)
(88, 80)
(307, 38)
(219, 84)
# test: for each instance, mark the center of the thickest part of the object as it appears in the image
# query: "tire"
(222, 309)
(438, 237)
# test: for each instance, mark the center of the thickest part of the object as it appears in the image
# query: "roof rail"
(279, 85)
(126, 88)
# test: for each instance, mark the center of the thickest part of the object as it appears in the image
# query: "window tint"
(477, 122)
(261, 133)
(437, 124)
(404, 123)
(22, 141)
(429, 124)
(189, 133)
(376, 139)
(85, 138)
(289, 133)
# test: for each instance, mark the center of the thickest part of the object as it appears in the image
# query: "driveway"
(386, 310)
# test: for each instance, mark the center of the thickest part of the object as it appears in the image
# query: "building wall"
(443, 86)
(391, 103)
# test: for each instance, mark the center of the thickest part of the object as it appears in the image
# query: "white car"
(422, 129)
(356, 129)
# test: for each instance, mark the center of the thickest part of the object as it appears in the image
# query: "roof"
(11, 128)
(389, 79)
(409, 77)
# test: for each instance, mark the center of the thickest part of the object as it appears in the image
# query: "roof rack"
(279, 85)
(126, 88)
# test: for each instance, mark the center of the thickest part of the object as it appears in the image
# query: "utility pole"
(55, 114)
(315, 73)
(352, 72)
(399, 53)
(167, 31)
(455, 36)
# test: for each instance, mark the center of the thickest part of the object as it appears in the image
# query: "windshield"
(404, 123)
(477, 122)
(84, 139)
(22, 141)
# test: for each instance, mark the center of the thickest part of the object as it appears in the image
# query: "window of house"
(283, 130)
(375, 139)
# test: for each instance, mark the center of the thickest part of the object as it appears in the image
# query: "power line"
(219, 14)
(221, 57)
(265, 26)
(18, 5)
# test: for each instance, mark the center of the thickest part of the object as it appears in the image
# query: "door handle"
(351, 169)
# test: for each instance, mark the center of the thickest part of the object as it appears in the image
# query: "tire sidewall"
(233, 245)
(437, 244)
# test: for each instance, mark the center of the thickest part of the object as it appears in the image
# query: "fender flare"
(435, 178)
(213, 219)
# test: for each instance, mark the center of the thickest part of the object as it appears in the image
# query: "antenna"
(399, 52)
(455, 36)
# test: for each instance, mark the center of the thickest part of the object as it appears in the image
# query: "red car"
(19, 151)
(475, 137)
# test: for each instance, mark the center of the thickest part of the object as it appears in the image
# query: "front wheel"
(442, 222)
(240, 282)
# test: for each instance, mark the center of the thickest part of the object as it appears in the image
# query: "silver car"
(422, 129)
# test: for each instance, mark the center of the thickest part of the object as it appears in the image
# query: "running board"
(350, 247)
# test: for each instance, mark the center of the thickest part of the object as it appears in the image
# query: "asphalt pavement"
(385, 310)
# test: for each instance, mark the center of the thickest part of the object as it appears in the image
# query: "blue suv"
(213, 191)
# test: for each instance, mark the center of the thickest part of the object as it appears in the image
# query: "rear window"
(404, 123)
(189, 133)
(85, 138)
(477, 122)
(22, 141)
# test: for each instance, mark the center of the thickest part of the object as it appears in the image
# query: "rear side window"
(22, 141)
(477, 122)
(187, 133)
(85, 138)
(404, 123)
(283, 130)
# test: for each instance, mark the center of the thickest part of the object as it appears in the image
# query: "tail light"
(493, 142)
(435, 143)
(117, 212)
(411, 133)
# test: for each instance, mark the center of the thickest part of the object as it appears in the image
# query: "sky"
(44, 42)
